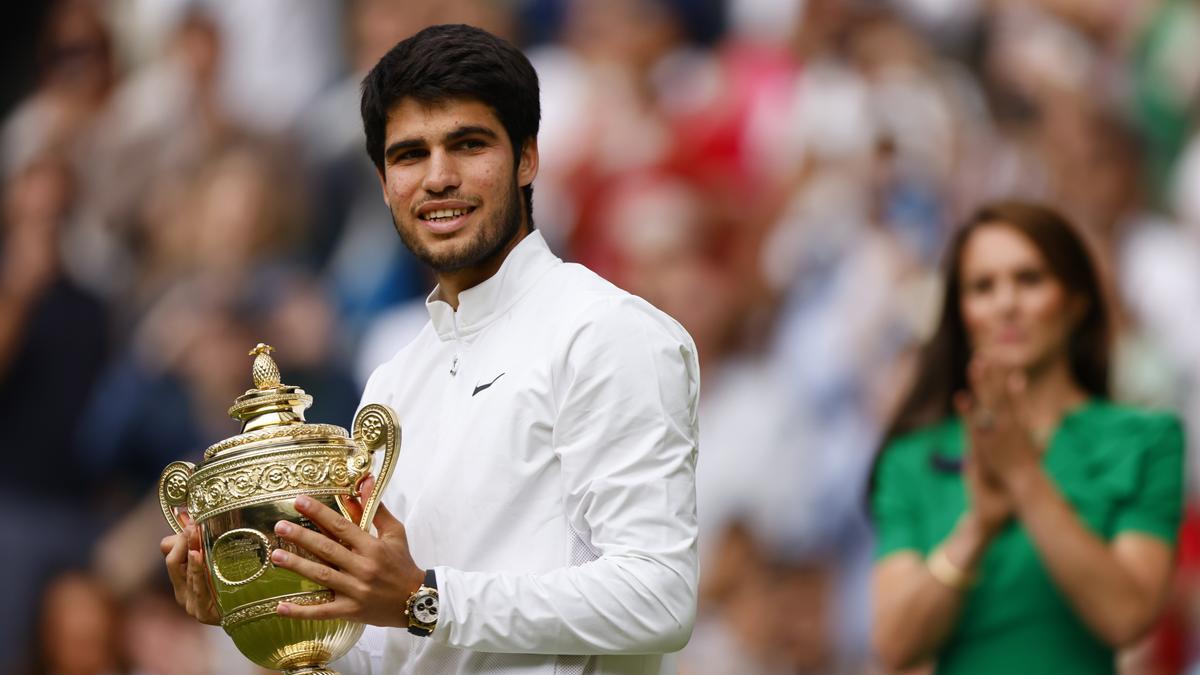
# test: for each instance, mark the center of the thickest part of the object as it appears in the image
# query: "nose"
(1006, 297)
(442, 172)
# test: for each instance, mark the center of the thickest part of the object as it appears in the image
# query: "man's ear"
(527, 166)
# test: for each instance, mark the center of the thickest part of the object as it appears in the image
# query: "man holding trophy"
(546, 476)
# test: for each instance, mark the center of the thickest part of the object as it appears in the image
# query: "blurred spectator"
(352, 239)
(1018, 510)
(78, 71)
(765, 614)
(53, 342)
(279, 55)
(159, 638)
(80, 628)
(1166, 86)
(165, 118)
(607, 89)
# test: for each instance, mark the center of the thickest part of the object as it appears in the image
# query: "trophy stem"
(311, 670)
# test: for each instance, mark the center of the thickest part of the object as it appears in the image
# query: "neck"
(450, 284)
(1050, 393)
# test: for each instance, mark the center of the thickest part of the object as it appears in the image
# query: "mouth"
(1009, 337)
(444, 218)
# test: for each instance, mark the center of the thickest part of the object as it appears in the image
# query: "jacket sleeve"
(626, 383)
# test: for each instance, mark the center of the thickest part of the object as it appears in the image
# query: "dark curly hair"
(455, 61)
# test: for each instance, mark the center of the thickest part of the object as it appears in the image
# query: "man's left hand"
(371, 577)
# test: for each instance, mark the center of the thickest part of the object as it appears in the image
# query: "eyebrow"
(458, 133)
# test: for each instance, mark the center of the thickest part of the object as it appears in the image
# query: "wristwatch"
(422, 607)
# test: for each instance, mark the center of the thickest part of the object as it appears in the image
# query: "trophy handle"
(376, 426)
(173, 491)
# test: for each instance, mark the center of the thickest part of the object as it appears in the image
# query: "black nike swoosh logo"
(481, 387)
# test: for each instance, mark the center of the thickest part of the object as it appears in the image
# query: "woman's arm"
(1117, 589)
(915, 610)
(917, 601)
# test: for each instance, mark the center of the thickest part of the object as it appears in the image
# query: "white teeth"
(445, 213)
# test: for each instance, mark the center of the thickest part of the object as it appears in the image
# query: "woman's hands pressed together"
(1001, 450)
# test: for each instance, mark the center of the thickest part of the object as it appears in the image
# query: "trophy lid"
(271, 410)
(270, 402)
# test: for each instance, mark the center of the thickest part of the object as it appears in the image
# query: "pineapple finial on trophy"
(264, 371)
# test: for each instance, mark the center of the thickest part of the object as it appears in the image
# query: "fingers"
(192, 533)
(366, 487)
(325, 575)
(982, 410)
(318, 544)
(169, 542)
(982, 376)
(995, 390)
(1014, 390)
(351, 507)
(197, 586)
(339, 607)
(332, 522)
(354, 505)
(176, 561)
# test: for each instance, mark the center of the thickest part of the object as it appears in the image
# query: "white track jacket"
(547, 473)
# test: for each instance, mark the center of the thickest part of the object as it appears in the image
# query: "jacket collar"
(481, 304)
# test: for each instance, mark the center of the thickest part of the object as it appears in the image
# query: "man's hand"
(184, 557)
(371, 577)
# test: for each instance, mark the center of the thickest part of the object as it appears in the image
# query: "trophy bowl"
(247, 483)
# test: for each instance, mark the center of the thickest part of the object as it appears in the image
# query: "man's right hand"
(185, 565)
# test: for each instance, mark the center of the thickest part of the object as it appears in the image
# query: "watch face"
(425, 608)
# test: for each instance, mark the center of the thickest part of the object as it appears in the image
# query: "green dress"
(1121, 468)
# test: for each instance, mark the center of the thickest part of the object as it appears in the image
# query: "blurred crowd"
(182, 179)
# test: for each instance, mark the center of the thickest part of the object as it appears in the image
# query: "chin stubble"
(489, 240)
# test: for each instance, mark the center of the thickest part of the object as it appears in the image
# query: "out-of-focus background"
(182, 179)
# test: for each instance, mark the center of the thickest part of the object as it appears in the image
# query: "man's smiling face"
(450, 182)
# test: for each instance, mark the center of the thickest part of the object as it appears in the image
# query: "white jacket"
(547, 474)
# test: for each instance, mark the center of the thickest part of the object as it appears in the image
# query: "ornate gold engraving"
(263, 400)
(264, 371)
(291, 432)
(240, 556)
(370, 427)
(375, 426)
(318, 469)
(296, 659)
(257, 610)
(172, 490)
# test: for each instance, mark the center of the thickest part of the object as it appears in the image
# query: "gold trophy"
(249, 482)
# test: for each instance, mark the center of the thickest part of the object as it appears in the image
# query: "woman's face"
(1015, 311)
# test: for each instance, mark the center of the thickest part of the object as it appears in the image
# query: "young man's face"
(450, 183)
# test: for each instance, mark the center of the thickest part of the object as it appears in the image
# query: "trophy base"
(311, 670)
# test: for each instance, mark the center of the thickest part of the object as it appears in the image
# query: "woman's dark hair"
(942, 365)
(447, 62)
